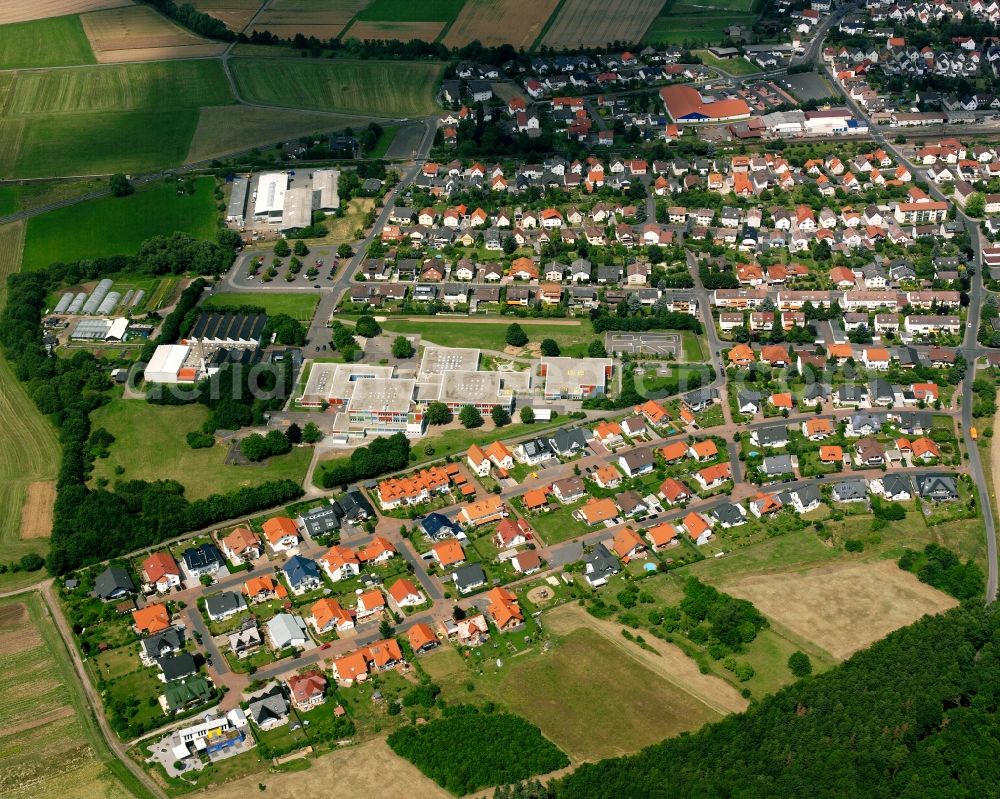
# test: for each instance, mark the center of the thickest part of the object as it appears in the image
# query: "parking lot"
(662, 344)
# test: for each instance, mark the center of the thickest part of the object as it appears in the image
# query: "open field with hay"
(389, 31)
(49, 745)
(233, 128)
(324, 19)
(843, 607)
(236, 14)
(138, 33)
(103, 119)
(594, 23)
(497, 22)
(386, 88)
(15, 11)
(44, 43)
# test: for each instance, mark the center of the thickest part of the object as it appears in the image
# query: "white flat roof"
(325, 183)
(569, 374)
(118, 328)
(271, 188)
(337, 380)
(297, 209)
(382, 395)
(441, 360)
(166, 362)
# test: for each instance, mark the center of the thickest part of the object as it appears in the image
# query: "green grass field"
(572, 337)
(29, 451)
(54, 42)
(681, 23)
(97, 120)
(298, 305)
(386, 88)
(10, 199)
(734, 66)
(118, 225)
(56, 750)
(405, 11)
(150, 445)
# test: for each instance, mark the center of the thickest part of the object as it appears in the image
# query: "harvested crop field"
(842, 608)
(47, 742)
(43, 9)
(231, 129)
(388, 31)
(371, 769)
(594, 23)
(382, 88)
(236, 14)
(36, 515)
(138, 33)
(497, 22)
(324, 19)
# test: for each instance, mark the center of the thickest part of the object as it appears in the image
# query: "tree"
(516, 336)
(294, 433)
(976, 204)
(401, 347)
(527, 415)
(31, 562)
(385, 628)
(501, 418)
(311, 433)
(281, 248)
(344, 250)
(367, 327)
(254, 447)
(596, 349)
(438, 413)
(549, 347)
(470, 417)
(120, 185)
(799, 664)
(277, 443)
(300, 248)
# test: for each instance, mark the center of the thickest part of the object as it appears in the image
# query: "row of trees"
(194, 20)
(382, 456)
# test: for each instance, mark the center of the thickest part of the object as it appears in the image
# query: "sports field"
(49, 745)
(44, 43)
(138, 33)
(298, 305)
(387, 88)
(118, 225)
(29, 451)
(103, 119)
(595, 23)
(845, 607)
(150, 445)
(16, 11)
(572, 336)
(497, 22)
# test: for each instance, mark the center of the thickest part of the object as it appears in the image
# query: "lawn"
(10, 200)
(149, 444)
(684, 23)
(54, 42)
(694, 350)
(734, 66)
(118, 225)
(559, 525)
(380, 88)
(56, 751)
(572, 337)
(405, 11)
(300, 305)
(103, 119)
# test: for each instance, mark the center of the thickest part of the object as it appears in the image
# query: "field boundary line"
(548, 24)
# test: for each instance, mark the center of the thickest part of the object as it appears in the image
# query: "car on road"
(315, 285)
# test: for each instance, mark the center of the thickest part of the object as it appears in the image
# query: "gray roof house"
(569, 442)
(113, 583)
(728, 515)
(285, 630)
(202, 560)
(749, 401)
(268, 708)
(806, 498)
(302, 574)
(775, 436)
(855, 490)
(160, 644)
(637, 461)
(937, 487)
(600, 565)
(896, 487)
(777, 465)
(320, 521)
(468, 577)
(701, 398)
(220, 607)
(177, 667)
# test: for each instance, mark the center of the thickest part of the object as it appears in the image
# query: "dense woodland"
(913, 717)
(943, 569)
(470, 748)
(91, 525)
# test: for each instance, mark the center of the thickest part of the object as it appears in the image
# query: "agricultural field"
(572, 336)
(324, 19)
(235, 13)
(407, 11)
(871, 600)
(44, 9)
(44, 43)
(49, 745)
(698, 23)
(392, 31)
(149, 445)
(103, 119)
(223, 130)
(497, 22)
(29, 455)
(301, 305)
(118, 225)
(593, 23)
(138, 33)
(388, 88)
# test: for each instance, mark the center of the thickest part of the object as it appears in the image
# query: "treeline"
(470, 748)
(663, 320)
(173, 325)
(915, 716)
(194, 20)
(942, 568)
(382, 456)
